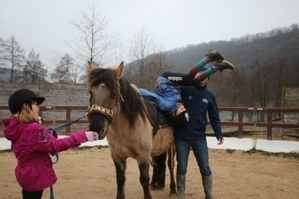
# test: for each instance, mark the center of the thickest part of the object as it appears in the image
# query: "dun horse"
(118, 112)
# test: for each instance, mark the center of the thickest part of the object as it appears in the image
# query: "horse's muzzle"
(99, 124)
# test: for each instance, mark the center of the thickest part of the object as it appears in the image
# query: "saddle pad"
(162, 140)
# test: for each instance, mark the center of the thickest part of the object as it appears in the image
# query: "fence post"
(68, 118)
(240, 125)
(269, 125)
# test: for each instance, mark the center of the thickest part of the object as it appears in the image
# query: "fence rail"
(267, 121)
(240, 123)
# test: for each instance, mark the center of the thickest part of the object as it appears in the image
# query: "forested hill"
(246, 52)
(265, 64)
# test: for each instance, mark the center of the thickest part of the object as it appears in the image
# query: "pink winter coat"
(31, 144)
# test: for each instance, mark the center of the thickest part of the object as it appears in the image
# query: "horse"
(118, 112)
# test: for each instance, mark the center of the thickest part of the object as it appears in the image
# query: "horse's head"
(104, 89)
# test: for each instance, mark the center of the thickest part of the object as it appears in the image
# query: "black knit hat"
(19, 97)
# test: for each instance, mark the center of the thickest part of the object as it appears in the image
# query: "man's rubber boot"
(207, 183)
(181, 186)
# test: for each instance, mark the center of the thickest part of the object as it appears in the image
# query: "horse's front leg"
(120, 167)
(144, 178)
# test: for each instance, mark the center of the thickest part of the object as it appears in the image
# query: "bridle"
(108, 113)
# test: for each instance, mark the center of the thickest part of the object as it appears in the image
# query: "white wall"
(244, 144)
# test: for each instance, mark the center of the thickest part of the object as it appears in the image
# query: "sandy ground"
(89, 174)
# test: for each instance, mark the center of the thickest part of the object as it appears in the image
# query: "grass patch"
(281, 154)
(5, 151)
(230, 151)
(87, 147)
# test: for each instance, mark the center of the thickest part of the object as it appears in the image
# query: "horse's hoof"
(157, 187)
(173, 193)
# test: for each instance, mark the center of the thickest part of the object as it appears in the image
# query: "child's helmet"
(19, 97)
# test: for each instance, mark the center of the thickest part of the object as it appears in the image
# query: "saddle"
(162, 127)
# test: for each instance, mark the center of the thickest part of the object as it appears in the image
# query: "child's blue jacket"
(167, 94)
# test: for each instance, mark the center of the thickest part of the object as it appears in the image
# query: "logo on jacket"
(173, 78)
(204, 100)
(44, 135)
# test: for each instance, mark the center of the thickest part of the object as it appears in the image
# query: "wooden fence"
(240, 117)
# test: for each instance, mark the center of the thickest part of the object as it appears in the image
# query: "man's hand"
(220, 141)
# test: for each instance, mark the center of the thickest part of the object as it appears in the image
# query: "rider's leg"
(211, 56)
(212, 68)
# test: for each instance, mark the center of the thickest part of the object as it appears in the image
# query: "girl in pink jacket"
(32, 143)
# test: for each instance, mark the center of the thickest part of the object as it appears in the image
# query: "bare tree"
(66, 71)
(147, 61)
(90, 40)
(2, 52)
(34, 69)
(139, 49)
(13, 56)
(156, 65)
(144, 59)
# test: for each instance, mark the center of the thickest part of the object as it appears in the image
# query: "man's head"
(204, 82)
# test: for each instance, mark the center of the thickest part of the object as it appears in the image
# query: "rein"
(61, 127)
(68, 123)
(56, 154)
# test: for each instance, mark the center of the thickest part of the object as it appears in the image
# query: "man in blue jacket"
(167, 88)
(199, 101)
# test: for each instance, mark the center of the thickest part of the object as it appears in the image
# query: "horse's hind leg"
(144, 179)
(120, 167)
(159, 170)
(171, 154)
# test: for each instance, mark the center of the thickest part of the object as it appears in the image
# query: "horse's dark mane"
(132, 105)
(106, 76)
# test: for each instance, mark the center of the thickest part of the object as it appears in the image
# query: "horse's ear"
(120, 68)
(91, 67)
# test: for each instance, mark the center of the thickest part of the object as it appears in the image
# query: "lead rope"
(51, 192)
(61, 127)
(56, 154)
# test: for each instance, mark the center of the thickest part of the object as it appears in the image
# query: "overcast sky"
(43, 25)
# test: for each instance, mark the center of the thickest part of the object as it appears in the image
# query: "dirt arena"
(89, 174)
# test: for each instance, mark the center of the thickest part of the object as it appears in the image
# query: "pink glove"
(92, 135)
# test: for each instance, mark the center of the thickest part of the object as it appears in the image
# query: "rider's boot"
(214, 55)
(211, 56)
(223, 65)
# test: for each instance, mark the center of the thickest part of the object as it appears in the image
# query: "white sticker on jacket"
(204, 100)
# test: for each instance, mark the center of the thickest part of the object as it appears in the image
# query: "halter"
(108, 113)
